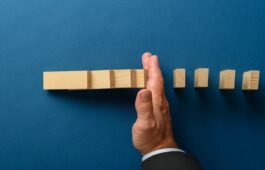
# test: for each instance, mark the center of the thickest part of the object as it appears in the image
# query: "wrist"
(169, 143)
(166, 144)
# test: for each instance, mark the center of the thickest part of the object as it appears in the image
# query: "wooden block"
(66, 80)
(141, 78)
(227, 80)
(201, 78)
(124, 78)
(102, 79)
(179, 76)
(251, 80)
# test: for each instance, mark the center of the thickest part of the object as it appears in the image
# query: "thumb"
(144, 105)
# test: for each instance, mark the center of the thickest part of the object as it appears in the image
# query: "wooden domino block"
(66, 80)
(102, 79)
(251, 80)
(227, 80)
(179, 76)
(141, 78)
(201, 78)
(124, 78)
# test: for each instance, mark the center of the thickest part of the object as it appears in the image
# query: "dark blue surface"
(92, 130)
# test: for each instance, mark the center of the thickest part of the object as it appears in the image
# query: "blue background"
(92, 129)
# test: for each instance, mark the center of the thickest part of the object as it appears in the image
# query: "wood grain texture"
(201, 78)
(227, 79)
(179, 76)
(102, 79)
(141, 78)
(66, 80)
(251, 80)
(124, 78)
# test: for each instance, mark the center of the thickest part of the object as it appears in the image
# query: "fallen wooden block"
(124, 78)
(227, 80)
(66, 80)
(96, 79)
(251, 80)
(201, 78)
(179, 76)
(102, 79)
(141, 78)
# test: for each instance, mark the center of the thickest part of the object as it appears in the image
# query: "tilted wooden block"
(179, 76)
(227, 80)
(251, 80)
(201, 78)
(141, 78)
(124, 78)
(66, 80)
(102, 79)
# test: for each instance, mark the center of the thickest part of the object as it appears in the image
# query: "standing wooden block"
(124, 78)
(227, 80)
(251, 80)
(201, 78)
(179, 76)
(66, 80)
(141, 78)
(102, 79)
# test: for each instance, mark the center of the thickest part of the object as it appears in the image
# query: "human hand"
(152, 129)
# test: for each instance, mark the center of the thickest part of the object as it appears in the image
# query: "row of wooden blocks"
(137, 78)
(226, 81)
(96, 79)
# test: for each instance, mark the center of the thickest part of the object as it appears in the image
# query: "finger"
(155, 79)
(144, 105)
(155, 83)
(145, 59)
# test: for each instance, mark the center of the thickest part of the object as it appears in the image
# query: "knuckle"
(142, 127)
(164, 107)
(166, 103)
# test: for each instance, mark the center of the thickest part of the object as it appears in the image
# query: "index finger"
(155, 79)
(145, 59)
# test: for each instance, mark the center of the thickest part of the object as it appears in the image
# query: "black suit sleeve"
(171, 161)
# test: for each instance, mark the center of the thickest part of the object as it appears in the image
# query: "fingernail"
(146, 95)
(148, 53)
(155, 60)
